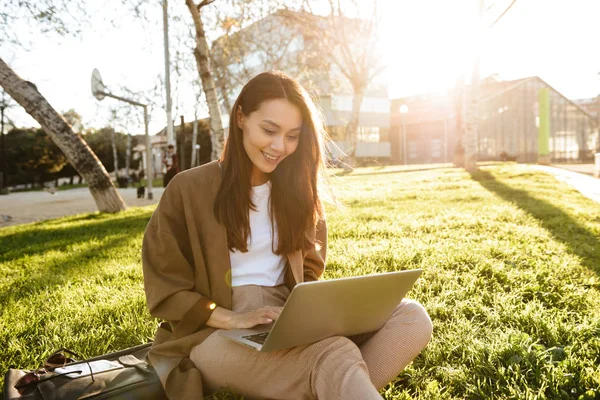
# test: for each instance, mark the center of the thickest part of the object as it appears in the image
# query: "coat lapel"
(296, 266)
(220, 269)
(221, 283)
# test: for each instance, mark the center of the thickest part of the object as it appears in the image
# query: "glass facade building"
(509, 122)
(508, 129)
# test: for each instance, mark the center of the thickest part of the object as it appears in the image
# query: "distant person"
(171, 163)
(220, 252)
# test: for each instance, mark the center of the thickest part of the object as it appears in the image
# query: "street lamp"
(403, 111)
(168, 74)
(99, 91)
(4, 105)
(3, 165)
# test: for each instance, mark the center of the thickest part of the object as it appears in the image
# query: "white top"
(259, 266)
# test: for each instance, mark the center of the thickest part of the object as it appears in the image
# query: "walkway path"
(581, 168)
(24, 207)
(586, 184)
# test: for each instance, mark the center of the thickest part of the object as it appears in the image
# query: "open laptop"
(337, 307)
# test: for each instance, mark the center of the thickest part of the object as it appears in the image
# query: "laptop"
(337, 307)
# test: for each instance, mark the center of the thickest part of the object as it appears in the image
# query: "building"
(509, 119)
(425, 132)
(189, 154)
(287, 46)
(157, 143)
(592, 106)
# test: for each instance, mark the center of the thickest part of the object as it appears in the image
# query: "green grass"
(511, 280)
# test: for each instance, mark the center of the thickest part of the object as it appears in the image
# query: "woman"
(228, 242)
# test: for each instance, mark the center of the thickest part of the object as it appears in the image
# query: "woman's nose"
(277, 143)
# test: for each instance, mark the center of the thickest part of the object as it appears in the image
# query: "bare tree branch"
(205, 3)
(503, 13)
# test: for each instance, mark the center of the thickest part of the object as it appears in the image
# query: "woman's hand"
(262, 315)
(222, 318)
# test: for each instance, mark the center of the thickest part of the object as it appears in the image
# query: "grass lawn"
(512, 279)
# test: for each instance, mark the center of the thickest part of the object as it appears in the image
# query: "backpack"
(136, 380)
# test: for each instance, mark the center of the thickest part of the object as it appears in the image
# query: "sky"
(556, 40)
(427, 45)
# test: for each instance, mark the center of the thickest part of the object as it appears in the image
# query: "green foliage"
(184, 143)
(100, 142)
(511, 280)
(74, 120)
(31, 156)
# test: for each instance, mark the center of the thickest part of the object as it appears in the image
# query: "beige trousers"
(334, 368)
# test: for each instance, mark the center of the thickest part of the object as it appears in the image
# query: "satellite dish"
(98, 88)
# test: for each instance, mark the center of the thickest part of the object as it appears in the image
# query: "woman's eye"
(268, 131)
(293, 137)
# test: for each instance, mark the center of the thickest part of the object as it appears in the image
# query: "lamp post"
(403, 111)
(4, 104)
(598, 116)
(99, 91)
(170, 139)
(2, 148)
(597, 153)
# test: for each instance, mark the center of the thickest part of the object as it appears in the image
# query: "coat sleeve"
(314, 261)
(169, 277)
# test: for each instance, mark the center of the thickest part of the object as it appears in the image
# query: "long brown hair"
(295, 206)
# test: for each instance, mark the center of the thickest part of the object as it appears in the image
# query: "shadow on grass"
(38, 240)
(103, 237)
(578, 239)
(396, 171)
(72, 267)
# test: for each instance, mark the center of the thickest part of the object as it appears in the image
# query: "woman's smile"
(271, 158)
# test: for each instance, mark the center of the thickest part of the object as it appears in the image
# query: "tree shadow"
(38, 240)
(99, 237)
(386, 172)
(72, 267)
(579, 240)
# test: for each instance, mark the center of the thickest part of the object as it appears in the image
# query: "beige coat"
(186, 268)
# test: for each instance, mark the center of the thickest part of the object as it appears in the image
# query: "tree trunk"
(352, 127)
(471, 124)
(459, 110)
(114, 151)
(3, 165)
(81, 157)
(201, 52)
(472, 118)
(194, 156)
(182, 159)
(223, 87)
(128, 156)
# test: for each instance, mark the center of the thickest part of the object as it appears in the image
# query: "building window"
(412, 149)
(369, 104)
(436, 148)
(368, 134)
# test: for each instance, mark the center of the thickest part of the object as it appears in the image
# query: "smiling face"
(270, 134)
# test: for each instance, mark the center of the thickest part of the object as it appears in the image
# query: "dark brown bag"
(136, 381)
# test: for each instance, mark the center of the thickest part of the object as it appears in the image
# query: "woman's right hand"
(222, 318)
(262, 315)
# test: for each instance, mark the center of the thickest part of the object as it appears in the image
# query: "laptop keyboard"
(257, 338)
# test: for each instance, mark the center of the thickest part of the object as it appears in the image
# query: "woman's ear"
(239, 117)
